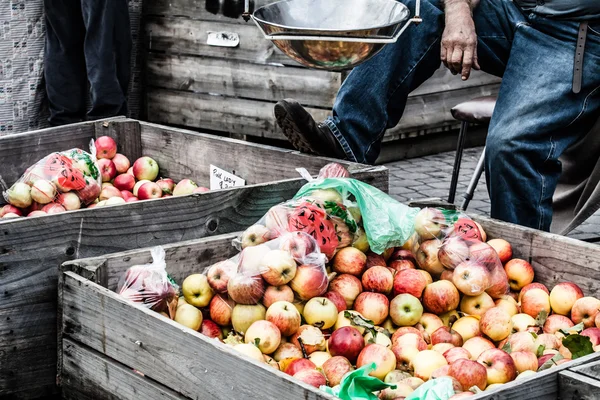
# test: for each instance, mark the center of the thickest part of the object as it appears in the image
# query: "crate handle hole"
(212, 225)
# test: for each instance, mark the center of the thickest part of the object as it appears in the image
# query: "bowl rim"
(404, 17)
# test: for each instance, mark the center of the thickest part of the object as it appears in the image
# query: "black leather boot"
(304, 133)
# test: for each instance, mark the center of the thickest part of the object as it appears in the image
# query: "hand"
(459, 40)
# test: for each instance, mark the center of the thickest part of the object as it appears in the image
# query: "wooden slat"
(179, 257)
(185, 154)
(591, 370)
(167, 352)
(519, 237)
(196, 9)
(126, 133)
(187, 36)
(579, 387)
(255, 118)
(542, 386)
(241, 79)
(89, 375)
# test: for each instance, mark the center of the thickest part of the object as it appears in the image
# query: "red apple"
(265, 335)
(383, 357)
(106, 147)
(471, 278)
(124, 182)
(299, 365)
(220, 309)
(337, 299)
(378, 279)
(10, 209)
(401, 254)
(555, 322)
(500, 366)
(456, 353)
(277, 267)
(447, 275)
(52, 208)
(409, 281)
(593, 334)
(167, 185)
(299, 244)
(499, 286)
(284, 316)
(401, 265)
(446, 335)
(108, 171)
(274, 294)
(469, 373)
(210, 329)
(411, 339)
(503, 248)
(201, 189)
(70, 201)
(519, 272)
(145, 168)
(542, 360)
(126, 194)
(529, 287)
(440, 297)
(585, 310)
(133, 199)
(477, 345)
(108, 192)
(310, 281)
(374, 260)
(453, 251)
(36, 213)
(496, 323)
(246, 289)
(121, 163)
(524, 361)
(347, 342)
(335, 368)
(427, 257)
(563, 296)
(373, 306)
(350, 260)
(219, 274)
(149, 190)
(348, 286)
(311, 377)
(406, 330)
(535, 301)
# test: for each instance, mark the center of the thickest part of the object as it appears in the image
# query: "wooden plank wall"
(190, 83)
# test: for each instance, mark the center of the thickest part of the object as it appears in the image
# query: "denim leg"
(373, 97)
(537, 116)
(64, 65)
(107, 53)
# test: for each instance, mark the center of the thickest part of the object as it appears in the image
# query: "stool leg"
(474, 181)
(457, 160)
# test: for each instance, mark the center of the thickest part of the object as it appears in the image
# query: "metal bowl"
(334, 35)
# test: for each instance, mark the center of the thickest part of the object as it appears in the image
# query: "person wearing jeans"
(546, 102)
(88, 44)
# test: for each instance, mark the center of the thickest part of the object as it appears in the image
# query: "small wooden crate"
(104, 337)
(233, 89)
(31, 249)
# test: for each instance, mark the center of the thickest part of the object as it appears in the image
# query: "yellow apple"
(196, 290)
(189, 316)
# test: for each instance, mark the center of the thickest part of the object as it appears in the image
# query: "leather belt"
(579, 53)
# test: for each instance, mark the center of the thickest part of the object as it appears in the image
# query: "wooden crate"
(190, 83)
(581, 382)
(32, 249)
(99, 351)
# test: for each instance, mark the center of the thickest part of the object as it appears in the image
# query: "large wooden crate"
(193, 84)
(99, 350)
(31, 249)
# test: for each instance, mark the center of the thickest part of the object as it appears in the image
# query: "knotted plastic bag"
(358, 385)
(387, 222)
(434, 389)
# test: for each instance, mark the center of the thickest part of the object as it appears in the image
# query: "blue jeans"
(88, 43)
(537, 116)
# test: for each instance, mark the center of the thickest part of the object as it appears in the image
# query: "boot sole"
(291, 131)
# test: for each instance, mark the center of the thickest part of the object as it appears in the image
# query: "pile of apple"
(404, 310)
(121, 183)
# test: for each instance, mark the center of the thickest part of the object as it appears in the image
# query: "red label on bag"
(467, 229)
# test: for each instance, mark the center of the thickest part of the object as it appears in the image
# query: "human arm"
(459, 40)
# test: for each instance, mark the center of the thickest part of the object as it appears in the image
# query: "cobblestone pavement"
(430, 176)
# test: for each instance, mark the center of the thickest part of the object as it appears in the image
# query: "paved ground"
(430, 176)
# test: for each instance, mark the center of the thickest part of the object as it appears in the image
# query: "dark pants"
(88, 42)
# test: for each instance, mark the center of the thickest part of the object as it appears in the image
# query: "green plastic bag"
(434, 389)
(358, 385)
(387, 222)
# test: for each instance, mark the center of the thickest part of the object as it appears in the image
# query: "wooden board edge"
(575, 386)
(108, 367)
(108, 296)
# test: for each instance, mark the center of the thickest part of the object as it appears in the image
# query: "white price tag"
(221, 179)
(223, 39)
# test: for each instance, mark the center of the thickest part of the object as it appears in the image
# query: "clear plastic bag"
(149, 285)
(450, 245)
(61, 181)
